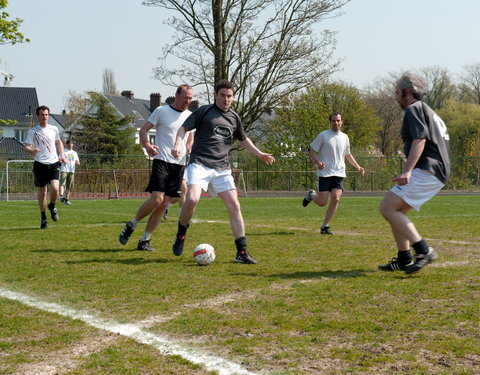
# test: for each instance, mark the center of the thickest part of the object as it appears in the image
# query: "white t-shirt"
(167, 121)
(71, 157)
(44, 138)
(331, 148)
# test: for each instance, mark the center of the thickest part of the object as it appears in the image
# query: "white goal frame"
(14, 161)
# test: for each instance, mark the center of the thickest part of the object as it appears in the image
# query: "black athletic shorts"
(44, 173)
(166, 178)
(330, 183)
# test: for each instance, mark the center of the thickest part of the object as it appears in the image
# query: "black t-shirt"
(421, 122)
(214, 135)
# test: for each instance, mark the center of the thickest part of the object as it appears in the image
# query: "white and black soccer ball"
(204, 254)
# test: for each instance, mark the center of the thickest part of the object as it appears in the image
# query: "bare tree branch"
(267, 48)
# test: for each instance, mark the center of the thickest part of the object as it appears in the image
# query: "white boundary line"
(164, 344)
(251, 225)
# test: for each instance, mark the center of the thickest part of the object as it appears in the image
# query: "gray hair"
(417, 86)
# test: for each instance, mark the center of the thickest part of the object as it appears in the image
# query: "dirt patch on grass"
(65, 360)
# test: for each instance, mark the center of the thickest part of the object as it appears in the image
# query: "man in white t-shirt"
(67, 173)
(167, 171)
(181, 199)
(43, 141)
(328, 152)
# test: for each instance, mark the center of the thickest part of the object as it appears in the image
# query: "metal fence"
(113, 177)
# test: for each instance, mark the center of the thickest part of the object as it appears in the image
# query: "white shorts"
(219, 181)
(422, 187)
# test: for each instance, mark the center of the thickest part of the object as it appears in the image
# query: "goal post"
(239, 180)
(7, 183)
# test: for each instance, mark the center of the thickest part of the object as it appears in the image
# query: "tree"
(296, 125)
(105, 132)
(462, 121)
(441, 87)
(75, 105)
(9, 33)
(109, 85)
(267, 48)
(470, 84)
(380, 96)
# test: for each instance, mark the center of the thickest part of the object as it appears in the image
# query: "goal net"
(17, 181)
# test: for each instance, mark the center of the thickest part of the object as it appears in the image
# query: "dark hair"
(181, 87)
(42, 108)
(68, 141)
(334, 114)
(417, 86)
(224, 84)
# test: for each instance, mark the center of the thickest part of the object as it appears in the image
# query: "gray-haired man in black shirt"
(426, 171)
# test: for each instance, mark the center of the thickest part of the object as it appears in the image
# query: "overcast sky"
(72, 42)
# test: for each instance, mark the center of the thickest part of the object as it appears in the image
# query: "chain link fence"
(110, 176)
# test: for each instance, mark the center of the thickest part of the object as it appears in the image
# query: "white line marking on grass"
(338, 232)
(164, 344)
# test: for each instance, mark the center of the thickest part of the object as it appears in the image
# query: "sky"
(73, 42)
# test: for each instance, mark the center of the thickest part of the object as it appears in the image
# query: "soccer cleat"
(308, 198)
(44, 224)
(178, 245)
(394, 265)
(244, 257)
(165, 214)
(126, 233)
(325, 230)
(421, 260)
(53, 212)
(144, 245)
(62, 199)
(67, 202)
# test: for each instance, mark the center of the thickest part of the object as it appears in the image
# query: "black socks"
(404, 257)
(182, 230)
(241, 243)
(420, 247)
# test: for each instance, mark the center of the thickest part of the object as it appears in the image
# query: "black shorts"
(44, 173)
(330, 183)
(166, 178)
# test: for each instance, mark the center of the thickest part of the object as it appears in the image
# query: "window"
(21, 134)
(151, 138)
(137, 115)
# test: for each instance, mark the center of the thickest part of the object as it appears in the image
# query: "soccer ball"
(204, 254)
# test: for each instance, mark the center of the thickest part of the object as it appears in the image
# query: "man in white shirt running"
(167, 171)
(328, 152)
(43, 141)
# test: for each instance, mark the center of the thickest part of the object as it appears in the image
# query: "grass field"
(75, 301)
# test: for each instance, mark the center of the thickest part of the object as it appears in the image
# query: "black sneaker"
(44, 224)
(421, 260)
(62, 199)
(144, 245)
(325, 230)
(244, 257)
(394, 265)
(126, 233)
(53, 212)
(178, 245)
(165, 214)
(308, 198)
